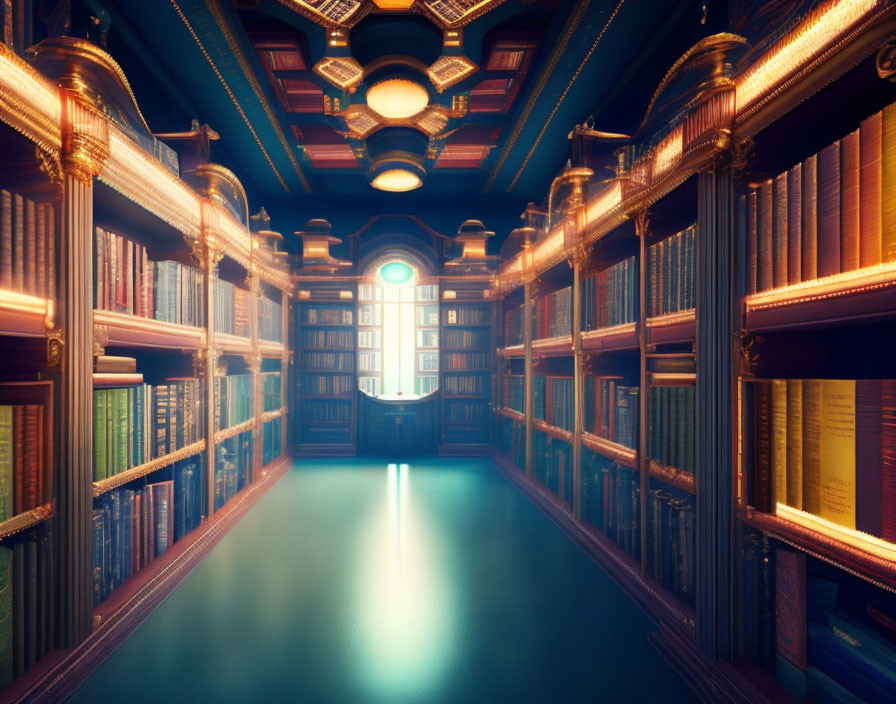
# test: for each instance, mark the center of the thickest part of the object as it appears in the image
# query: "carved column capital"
(85, 137)
(642, 223)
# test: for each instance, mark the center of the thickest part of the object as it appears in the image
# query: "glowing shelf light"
(605, 201)
(863, 541)
(397, 181)
(397, 98)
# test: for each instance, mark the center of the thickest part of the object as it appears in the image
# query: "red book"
(765, 247)
(762, 493)
(809, 230)
(790, 606)
(829, 211)
(50, 213)
(870, 191)
(888, 459)
(18, 243)
(40, 284)
(30, 248)
(794, 224)
(752, 242)
(868, 456)
(779, 232)
(849, 202)
(5, 240)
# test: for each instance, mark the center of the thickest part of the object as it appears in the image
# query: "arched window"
(398, 329)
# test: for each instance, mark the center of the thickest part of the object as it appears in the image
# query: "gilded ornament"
(55, 345)
(100, 340)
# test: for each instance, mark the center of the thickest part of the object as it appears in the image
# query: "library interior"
(448, 351)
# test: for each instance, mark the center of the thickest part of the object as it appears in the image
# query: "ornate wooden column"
(84, 150)
(716, 325)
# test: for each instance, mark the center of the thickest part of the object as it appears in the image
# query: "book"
(6, 615)
(809, 229)
(888, 183)
(6, 463)
(794, 225)
(764, 236)
(790, 606)
(829, 187)
(779, 439)
(780, 269)
(794, 444)
(105, 364)
(869, 449)
(849, 202)
(812, 453)
(838, 442)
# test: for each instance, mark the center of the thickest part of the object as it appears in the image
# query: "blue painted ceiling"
(205, 59)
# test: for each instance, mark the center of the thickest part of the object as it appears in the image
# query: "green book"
(6, 463)
(100, 409)
(5, 616)
(111, 444)
(121, 457)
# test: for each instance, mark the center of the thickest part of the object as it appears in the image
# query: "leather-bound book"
(888, 183)
(790, 606)
(5, 240)
(50, 214)
(18, 243)
(30, 603)
(18, 608)
(763, 490)
(780, 268)
(795, 443)
(812, 445)
(779, 440)
(40, 283)
(838, 452)
(6, 599)
(794, 224)
(107, 364)
(888, 459)
(765, 247)
(809, 230)
(849, 202)
(99, 271)
(829, 210)
(30, 248)
(6, 463)
(31, 457)
(18, 455)
(868, 456)
(870, 193)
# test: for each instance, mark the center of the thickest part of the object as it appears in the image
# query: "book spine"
(838, 446)
(869, 481)
(888, 183)
(794, 450)
(765, 237)
(780, 267)
(812, 401)
(6, 463)
(829, 187)
(30, 248)
(809, 228)
(18, 243)
(6, 250)
(870, 191)
(794, 224)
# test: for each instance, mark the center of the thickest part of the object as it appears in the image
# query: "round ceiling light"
(397, 181)
(397, 98)
(396, 273)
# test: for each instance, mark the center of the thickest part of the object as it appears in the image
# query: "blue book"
(859, 649)
(832, 663)
(99, 540)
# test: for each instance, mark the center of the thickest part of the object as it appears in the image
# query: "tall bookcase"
(327, 332)
(132, 300)
(746, 368)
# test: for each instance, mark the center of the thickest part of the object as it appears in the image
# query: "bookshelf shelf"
(862, 556)
(611, 450)
(616, 337)
(553, 347)
(672, 475)
(268, 416)
(553, 431)
(853, 296)
(672, 379)
(672, 327)
(24, 315)
(513, 415)
(26, 520)
(233, 430)
(232, 344)
(113, 482)
(512, 351)
(134, 331)
(269, 348)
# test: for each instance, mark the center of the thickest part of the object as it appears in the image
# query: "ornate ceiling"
(285, 83)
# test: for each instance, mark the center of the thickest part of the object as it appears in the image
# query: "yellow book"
(779, 439)
(838, 452)
(812, 446)
(888, 185)
(795, 443)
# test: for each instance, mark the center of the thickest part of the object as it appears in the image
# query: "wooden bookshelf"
(25, 315)
(121, 329)
(129, 475)
(611, 450)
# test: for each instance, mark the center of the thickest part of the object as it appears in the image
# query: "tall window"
(398, 331)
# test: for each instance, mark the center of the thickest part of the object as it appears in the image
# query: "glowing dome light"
(396, 273)
(397, 98)
(397, 181)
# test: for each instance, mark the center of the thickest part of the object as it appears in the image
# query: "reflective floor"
(355, 581)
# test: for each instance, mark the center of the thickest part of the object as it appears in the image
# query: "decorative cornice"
(413, 218)
(229, 92)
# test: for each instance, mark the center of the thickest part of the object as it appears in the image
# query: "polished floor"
(363, 582)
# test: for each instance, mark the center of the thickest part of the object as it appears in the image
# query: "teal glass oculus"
(396, 273)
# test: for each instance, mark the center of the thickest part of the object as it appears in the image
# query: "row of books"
(611, 296)
(465, 360)
(465, 339)
(270, 320)
(271, 392)
(27, 246)
(512, 439)
(329, 361)
(25, 479)
(327, 315)
(371, 385)
(325, 434)
(369, 339)
(370, 314)
(466, 315)
(427, 361)
(270, 441)
(561, 402)
(552, 462)
(513, 326)
(27, 602)
(327, 385)
(132, 425)
(611, 500)
(828, 214)
(428, 338)
(672, 520)
(553, 315)
(456, 385)
(671, 274)
(134, 526)
(465, 411)
(369, 361)
(231, 308)
(515, 392)
(233, 466)
(672, 422)
(178, 294)
(427, 315)
(326, 410)
(824, 446)
(123, 276)
(233, 400)
(611, 410)
(328, 339)
(425, 385)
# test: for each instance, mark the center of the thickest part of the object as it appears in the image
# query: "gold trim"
(222, 435)
(25, 520)
(129, 475)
